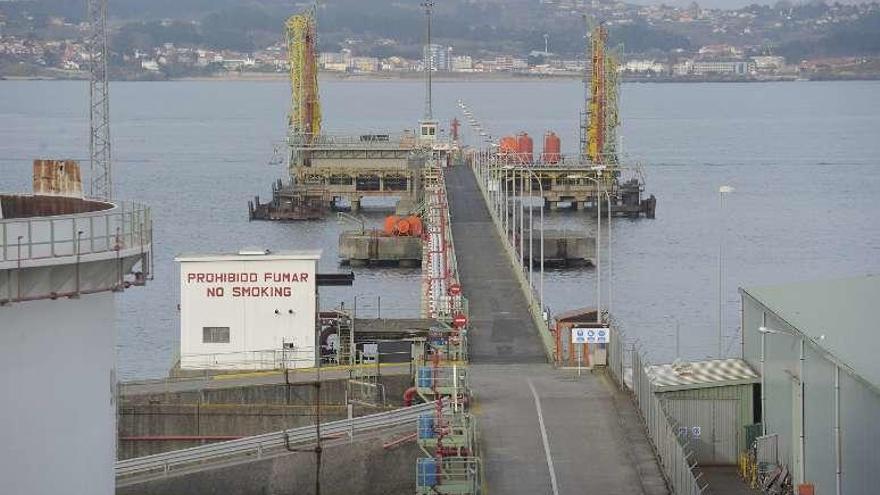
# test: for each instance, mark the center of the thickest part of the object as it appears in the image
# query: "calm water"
(803, 158)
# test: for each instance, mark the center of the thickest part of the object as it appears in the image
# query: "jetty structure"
(327, 171)
(597, 173)
(487, 397)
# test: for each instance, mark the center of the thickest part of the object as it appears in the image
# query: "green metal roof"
(839, 316)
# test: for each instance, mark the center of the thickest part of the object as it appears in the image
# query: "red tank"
(552, 147)
(508, 145)
(525, 147)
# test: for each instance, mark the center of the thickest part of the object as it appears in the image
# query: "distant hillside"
(478, 27)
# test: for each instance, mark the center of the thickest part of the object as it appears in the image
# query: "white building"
(643, 66)
(364, 64)
(335, 61)
(251, 310)
(462, 63)
(769, 63)
(440, 56)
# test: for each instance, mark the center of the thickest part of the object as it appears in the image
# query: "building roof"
(838, 316)
(252, 255)
(701, 374)
(580, 315)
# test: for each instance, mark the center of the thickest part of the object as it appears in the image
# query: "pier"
(543, 431)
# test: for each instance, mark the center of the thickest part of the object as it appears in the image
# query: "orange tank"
(525, 147)
(552, 147)
(410, 226)
(390, 222)
(508, 145)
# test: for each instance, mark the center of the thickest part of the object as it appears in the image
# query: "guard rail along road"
(195, 459)
(675, 458)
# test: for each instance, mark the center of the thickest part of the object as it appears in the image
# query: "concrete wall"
(236, 411)
(859, 408)
(362, 468)
(57, 377)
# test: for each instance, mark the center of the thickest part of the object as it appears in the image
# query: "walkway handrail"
(528, 290)
(206, 456)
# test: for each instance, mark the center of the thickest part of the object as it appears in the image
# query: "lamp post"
(533, 175)
(721, 192)
(764, 331)
(599, 193)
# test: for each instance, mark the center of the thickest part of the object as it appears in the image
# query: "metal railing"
(260, 446)
(378, 140)
(676, 460)
(122, 227)
(520, 269)
(266, 359)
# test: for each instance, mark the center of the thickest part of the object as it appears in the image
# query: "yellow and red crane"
(305, 105)
(602, 105)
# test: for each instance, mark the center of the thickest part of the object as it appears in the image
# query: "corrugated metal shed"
(711, 402)
(701, 374)
(836, 315)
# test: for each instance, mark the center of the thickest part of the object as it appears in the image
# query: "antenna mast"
(101, 185)
(429, 61)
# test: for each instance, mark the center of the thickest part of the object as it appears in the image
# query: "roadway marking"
(553, 484)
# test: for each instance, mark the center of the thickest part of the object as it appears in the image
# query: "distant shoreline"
(451, 77)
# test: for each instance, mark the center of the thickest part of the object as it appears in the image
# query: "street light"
(532, 175)
(499, 199)
(764, 331)
(721, 192)
(599, 193)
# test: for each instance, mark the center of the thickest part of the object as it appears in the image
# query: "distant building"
(462, 63)
(643, 66)
(510, 64)
(364, 64)
(150, 65)
(713, 67)
(817, 354)
(769, 63)
(720, 50)
(238, 63)
(335, 61)
(439, 56)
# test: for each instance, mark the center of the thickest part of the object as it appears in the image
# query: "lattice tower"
(101, 184)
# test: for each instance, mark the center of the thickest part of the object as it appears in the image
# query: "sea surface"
(803, 158)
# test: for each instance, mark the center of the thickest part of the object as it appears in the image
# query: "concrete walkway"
(543, 431)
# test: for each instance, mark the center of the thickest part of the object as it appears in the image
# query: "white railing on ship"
(259, 446)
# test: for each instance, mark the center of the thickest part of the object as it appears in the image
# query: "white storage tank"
(61, 260)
